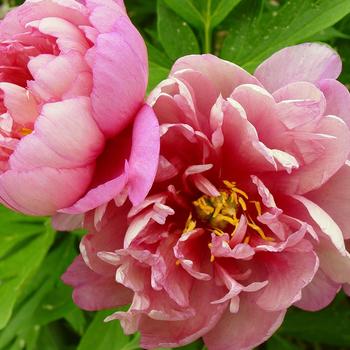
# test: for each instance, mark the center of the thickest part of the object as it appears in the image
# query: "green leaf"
(104, 336)
(57, 304)
(277, 342)
(175, 35)
(329, 326)
(158, 57)
(220, 9)
(204, 15)
(76, 320)
(344, 50)
(31, 300)
(328, 34)
(54, 337)
(156, 75)
(253, 36)
(159, 66)
(24, 243)
(188, 11)
(202, 12)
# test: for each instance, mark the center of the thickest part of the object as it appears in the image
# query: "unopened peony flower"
(249, 210)
(74, 130)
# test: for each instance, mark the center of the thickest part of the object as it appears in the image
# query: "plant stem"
(207, 29)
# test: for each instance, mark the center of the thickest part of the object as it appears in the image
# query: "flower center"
(223, 213)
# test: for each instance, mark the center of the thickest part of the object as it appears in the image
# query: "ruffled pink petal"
(335, 139)
(88, 285)
(338, 99)
(97, 196)
(43, 191)
(235, 288)
(110, 177)
(299, 103)
(10, 25)
(203, 95)
(191, 148)
(186, 251)
(319, 293)
(331, 250)
(241, 143)
(223, 75)
(69, 37)
(169, 276)
(306, 62)
(243, 330)
(70, 10)
(117, 94)
(45, 70)
(269, 120)
(164, 104)
(334, 197)
(156, 333)
(104, 13)
(108, 239)
(143, 160)
(20, 104)
(64, 136)
(288, 273)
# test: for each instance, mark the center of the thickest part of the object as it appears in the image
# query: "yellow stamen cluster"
(25, 131)
(224, 210)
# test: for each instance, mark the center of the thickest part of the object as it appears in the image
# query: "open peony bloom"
(73, 124)
(249, 210)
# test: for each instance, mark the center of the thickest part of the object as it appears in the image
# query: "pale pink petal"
(223, 75)
(43, 191)
(338, 99)
(65, 135)
(331, 250)
(97, 196)
(244, 150)
(299, 103)
(319, 293)
(70, 10)
(335, 141)
(203, 95)
(243, 330)
(117, 94)
(334, 197)
(20, 104)
(260, 108)
(144, 154)
(45, 70)
(306, 62)
(110, 177)
(105, 13)
(299, 91)
(10, 25)
(69, 37)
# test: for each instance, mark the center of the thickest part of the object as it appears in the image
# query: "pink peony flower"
(73, 124)
(249, 210)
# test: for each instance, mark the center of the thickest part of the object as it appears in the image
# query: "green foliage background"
(36, 310)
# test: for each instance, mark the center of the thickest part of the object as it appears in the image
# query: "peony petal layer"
(306, 62)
